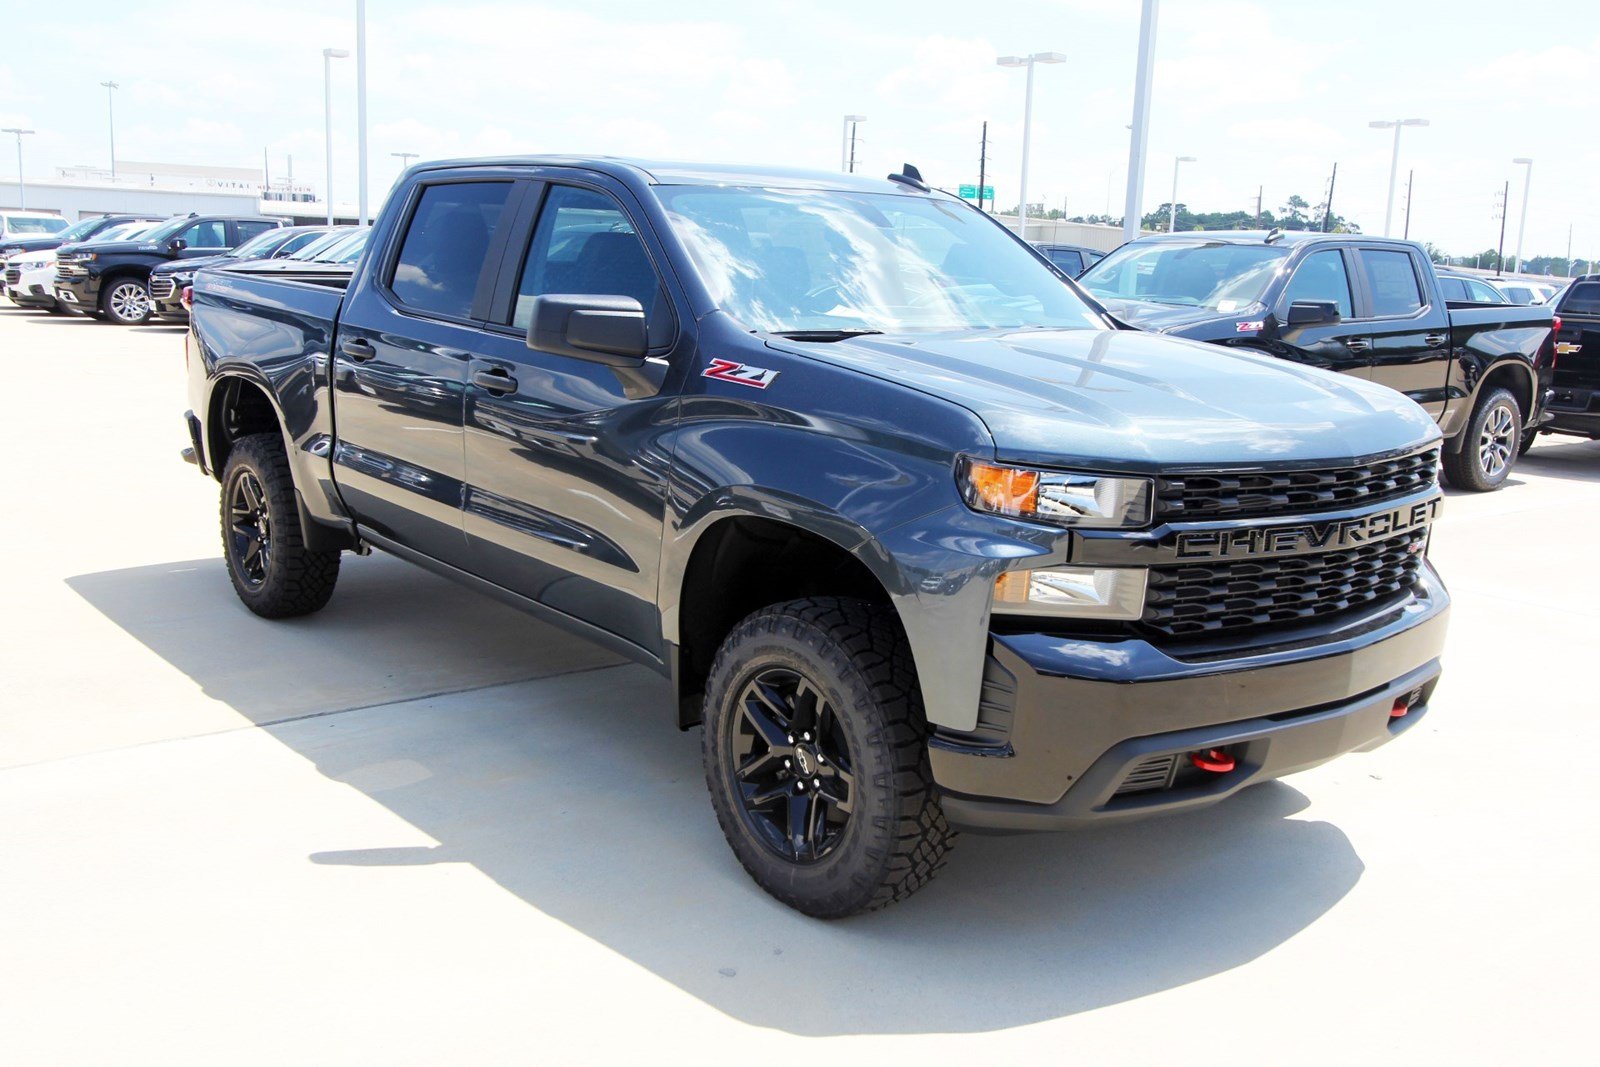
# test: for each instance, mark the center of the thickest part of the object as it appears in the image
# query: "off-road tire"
(286, 578)
(117, 304)
(1487, 454)
(856, 656)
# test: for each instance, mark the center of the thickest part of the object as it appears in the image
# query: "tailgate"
(1578, 352)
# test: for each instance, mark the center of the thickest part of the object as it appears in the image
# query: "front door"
(407, 334)
(1341, 345)
(566, 475)
(1409, 329)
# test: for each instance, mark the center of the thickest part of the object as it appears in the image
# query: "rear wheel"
(125, 301)
(1493, 438)
(273, 571)
(816, 757)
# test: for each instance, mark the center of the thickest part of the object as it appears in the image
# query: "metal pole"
(1505, 209)
(327, 124)
(22, 188)
(844, 146)
(1411, 176)
(1327, 212)
(1569, 249)
(1172, 205)
(111, 88)
(1394, 172)
(361, 110)
(853, 126)
(1522, 222)
(1141, 119)
(1260, 191)
(1027, 126)
(983, 161)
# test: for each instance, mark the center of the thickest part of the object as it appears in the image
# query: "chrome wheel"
(1499, 440)
(129, 301)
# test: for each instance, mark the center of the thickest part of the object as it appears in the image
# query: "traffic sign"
(970, 192)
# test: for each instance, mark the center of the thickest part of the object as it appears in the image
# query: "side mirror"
(176, 245)
(1313, 312)
(601, 329)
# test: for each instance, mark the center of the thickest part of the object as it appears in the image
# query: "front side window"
(213, 233)
(1219, 275)
(585, 245)
(1393, 280)
(800, 261)
(1322, 277)
(446, 244)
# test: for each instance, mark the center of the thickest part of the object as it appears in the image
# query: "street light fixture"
(328, 56)
(1522, 223)
(111, 123)
(1394, 162)
(405, 158)
(22, 189)
(1027, 123)
(1172, 217)
(847, 156)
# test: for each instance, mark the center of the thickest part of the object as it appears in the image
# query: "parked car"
(19, 229)
(1468, 289)
(31, 276)
(1575, 404)
(1521, 292)
(1365, 306)
(110, 279)
(917, 533)
(1073, 259)
(313, 250)
(168, 279)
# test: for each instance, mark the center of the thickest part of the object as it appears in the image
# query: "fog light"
(1079, 592)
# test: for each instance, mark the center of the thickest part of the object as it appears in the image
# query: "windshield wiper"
(822, 336)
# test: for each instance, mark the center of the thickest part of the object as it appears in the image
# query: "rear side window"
(1393, 281)
(1321, 277)
(248, 230)
(1071, 262)
(446, 245)
(585, 244)
(1584, 299)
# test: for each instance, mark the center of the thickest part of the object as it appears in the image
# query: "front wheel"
(273, 571)
(815, 751)
(125, 301)
(1492, 439)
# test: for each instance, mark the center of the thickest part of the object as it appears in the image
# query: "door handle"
(359, 349)
(494, 380)
(1434, 340)
(1358, 344)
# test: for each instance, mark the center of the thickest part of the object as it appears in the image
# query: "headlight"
(1079, 592)
(1056, 496)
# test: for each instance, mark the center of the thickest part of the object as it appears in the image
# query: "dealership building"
(162, 189)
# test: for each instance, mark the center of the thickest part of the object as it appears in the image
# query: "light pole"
(1522, 222)
(111, 123)
(22, 189)
(1172, 216)
(1394, 162)
(405, 158)
(845, 160)
(361, 110)
(1139, 129)
(1027, 123)
(328, 56)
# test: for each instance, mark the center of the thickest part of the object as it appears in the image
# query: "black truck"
(1575, 404)
(918, 533)
(167, 280)
(110, 279)
(1364, 306)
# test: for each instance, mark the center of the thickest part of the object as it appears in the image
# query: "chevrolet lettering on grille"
(1306, 537)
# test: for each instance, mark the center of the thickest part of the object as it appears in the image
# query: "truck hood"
(29, 244)
(111, 248)
(188, 266)
(1126, 400)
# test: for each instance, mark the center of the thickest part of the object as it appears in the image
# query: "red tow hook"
(1214, 760)
(1404, 704)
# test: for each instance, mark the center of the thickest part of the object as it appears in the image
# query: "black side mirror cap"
(1313, 312)
(602, 329)
(176, 245)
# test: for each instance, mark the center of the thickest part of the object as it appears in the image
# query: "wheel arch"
(1514, 375)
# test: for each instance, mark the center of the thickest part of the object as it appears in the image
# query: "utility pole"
(852, 169)
(361, 113)
(22, 188)
(111, 123)
(266, 173)
(983, 163)
(1411, 176)
(1142, 85)
(1260, 189)
(1327, 211)
(1500, 253)
(1569, 249)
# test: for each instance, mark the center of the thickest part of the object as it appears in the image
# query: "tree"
(1293, 214)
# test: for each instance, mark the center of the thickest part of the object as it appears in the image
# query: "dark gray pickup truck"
(917, 532)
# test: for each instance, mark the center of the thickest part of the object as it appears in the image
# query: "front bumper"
(81, 292)
(34, 289)
(1079, 730)
(166, 296)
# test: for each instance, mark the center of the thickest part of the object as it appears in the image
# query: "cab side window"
(1392, 278)
(584, 244)
(1454, 289)
(446, 245)
(247, 230)
(1322, 277)
(210, 234)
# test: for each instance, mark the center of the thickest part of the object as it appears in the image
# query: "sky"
(1266, 94)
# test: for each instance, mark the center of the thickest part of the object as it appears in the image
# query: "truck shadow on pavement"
(1564, 457)
(574, 792)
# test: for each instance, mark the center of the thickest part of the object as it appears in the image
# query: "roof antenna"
(1272, 235)
(911, 176)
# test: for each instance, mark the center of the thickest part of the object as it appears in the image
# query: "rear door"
(1406, 322)
(411, 327)
(566, 478)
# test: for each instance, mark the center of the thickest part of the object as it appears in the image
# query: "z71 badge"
(726, 370)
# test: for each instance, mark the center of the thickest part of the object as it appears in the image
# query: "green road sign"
(970, 192)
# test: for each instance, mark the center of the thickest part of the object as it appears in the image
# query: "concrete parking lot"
(420, 827)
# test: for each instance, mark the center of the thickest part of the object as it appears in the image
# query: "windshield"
(125, 231)
(168, 229)
(260, 245)
(790, 261)
(350, 250)
(323, 243)
(1222, 277)
(78, 229)
(18, 225)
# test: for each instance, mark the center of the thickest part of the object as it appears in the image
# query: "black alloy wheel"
(793, 766)
(250, 529)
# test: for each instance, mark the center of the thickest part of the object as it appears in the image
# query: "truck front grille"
(1201, 497)
(1228, 596)
(161, 286)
